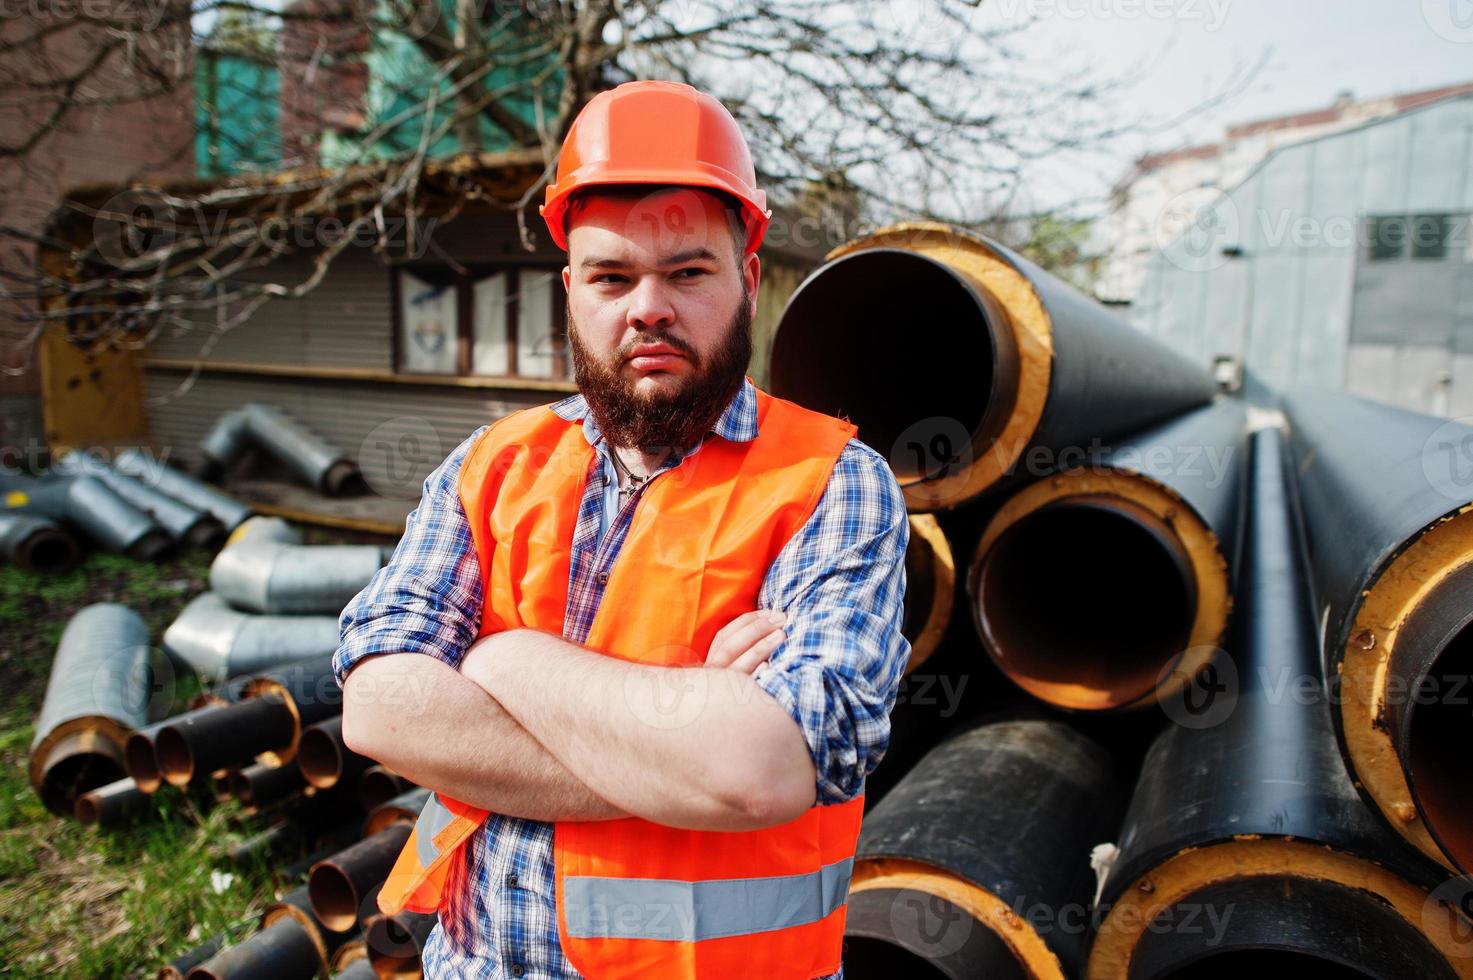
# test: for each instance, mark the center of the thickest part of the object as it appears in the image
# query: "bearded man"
(643, 643)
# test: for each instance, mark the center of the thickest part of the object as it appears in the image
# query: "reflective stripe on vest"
(635, 898)
(688, 911)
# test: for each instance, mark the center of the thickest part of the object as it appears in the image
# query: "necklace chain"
(635, 482)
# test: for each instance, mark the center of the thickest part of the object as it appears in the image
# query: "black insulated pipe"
(977, 863)
(1009, 357)
(1245, 839)
(1108, 586)
(1389, 519)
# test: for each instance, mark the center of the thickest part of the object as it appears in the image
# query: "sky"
(1186, 51)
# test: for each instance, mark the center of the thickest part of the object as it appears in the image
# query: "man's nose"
(649, 305)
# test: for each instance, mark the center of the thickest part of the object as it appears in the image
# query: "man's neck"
(639, 462)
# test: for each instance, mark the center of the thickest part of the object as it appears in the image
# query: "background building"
(1343, 260)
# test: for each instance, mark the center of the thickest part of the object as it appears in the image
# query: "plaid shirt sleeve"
(841, 582)
(427, 599)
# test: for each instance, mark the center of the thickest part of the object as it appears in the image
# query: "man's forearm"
(434, 726)
(697, 747)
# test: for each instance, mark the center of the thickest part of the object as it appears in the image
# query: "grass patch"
(76, 901)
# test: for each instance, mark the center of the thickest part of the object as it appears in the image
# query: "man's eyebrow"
(689, 255)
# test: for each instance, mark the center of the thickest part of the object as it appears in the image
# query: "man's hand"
(747, 641)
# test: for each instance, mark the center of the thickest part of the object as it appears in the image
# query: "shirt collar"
(736, 423)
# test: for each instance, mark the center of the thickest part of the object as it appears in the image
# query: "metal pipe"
(266, 722)
(257, 785)
(378, 785)
(201, 496)
(930, 587)
(357, 968)
(199, 742)
(111, 805)
(1108, 586)
(954, 863)
(220, 642)
(34, 543)
(179, 967)
(1012, 358)
(284, 950)
(404, 808)
(279, 578)
(98, 692)
(297, 906)
(89, 505)
(1389, 521)
(1247, 801)
(312, 459)
(339, 884)
(187, 525)
(395, 942)
(325, 759)
(140, 759)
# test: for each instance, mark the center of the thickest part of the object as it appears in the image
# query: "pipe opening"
(78, 763)
(333, 897)
(1283, 925)
(394, 947)
(88, 811)
(906, 932)
(1428, 710)
(319, 759)
(378, 786)
(139, 760)
(920, 586)
(47, 551)
(151, 546)
(239, 785)
(1085, 601)
(890, 339)
(1439, 723)
(174, 758)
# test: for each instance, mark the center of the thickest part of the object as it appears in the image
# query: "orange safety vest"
(637, 898)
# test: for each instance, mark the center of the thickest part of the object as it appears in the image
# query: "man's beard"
(667, 420)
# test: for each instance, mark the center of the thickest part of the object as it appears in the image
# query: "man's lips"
(654, 357)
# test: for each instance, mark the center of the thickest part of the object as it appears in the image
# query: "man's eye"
(690, 273)
(609, 277)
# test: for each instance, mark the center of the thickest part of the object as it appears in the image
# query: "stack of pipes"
(1138, 561)
(133, 505)
(272, 600)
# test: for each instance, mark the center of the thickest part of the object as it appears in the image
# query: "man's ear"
(752, 274)
(567, 277)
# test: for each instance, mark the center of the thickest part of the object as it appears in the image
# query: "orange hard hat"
(656, 133)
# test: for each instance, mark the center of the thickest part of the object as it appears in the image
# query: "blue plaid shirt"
(840, 580)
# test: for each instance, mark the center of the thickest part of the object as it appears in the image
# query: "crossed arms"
(534, 726)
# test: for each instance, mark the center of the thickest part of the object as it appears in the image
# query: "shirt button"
(517, 969)
(511, 881)
(603, 578)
